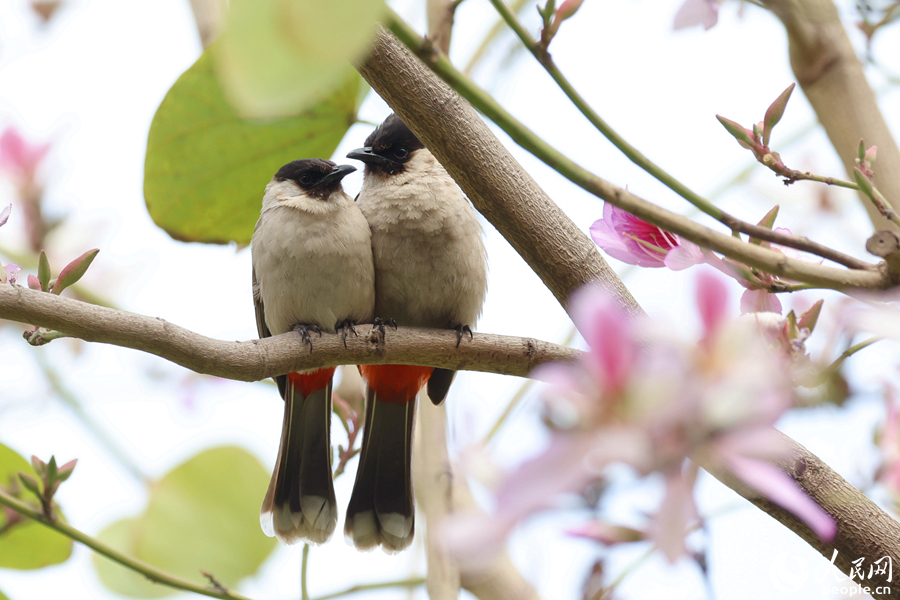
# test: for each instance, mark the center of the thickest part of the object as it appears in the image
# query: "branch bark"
(258, 359)
(832, 77)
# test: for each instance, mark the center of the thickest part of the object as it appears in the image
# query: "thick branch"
(832, 77)
(561, 255)
(258, 359)
(864, 530)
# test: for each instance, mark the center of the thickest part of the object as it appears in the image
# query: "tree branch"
(258, 359)
(149, 571)
(832, 77)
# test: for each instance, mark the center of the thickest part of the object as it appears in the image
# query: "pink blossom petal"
(538, 483)
(779, 488)
(4, 214)
(677, 511)
(697, 12)
(607, 533)
(754, 301)
(611, 243)
(610, 333)
(712, 299)
(685, 255)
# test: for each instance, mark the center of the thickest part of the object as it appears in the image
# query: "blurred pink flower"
(653, 406)
(18, 158)
(697, 12)
(4, 215)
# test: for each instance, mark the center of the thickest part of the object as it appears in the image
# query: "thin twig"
(150, 572)
(800, 243)
(304, 592)
(74, 404)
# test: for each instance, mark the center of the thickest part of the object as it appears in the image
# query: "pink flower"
(18, 158)
(4, 215)
(630, 239)
(697, 12)
(9, 273)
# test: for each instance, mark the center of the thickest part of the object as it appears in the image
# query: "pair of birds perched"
(408, 249)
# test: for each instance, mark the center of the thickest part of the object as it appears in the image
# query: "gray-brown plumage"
(430, 271)
(312, 270)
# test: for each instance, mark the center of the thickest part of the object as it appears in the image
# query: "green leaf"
(3, 596)
(204, 514)
(27, 544)
(277, 58)
(206, 168)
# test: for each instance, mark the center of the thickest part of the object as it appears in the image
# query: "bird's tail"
(381, 510)
(300, 504)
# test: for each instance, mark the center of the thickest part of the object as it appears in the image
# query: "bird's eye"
(401, 152)
(305, 179)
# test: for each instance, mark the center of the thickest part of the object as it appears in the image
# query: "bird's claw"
(344, 327)
(462, 330)
(303, 329)
(380, 324)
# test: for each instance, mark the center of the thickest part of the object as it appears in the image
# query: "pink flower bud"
(74, 271)
(869, 158)
(567, 9)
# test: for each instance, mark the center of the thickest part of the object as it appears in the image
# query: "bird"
(430, 271)
(312, 272)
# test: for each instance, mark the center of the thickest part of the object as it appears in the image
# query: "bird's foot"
(303, 329)
(379, 324)
(462, 330)
(345, 327)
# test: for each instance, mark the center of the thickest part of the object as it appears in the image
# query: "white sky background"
(91, 83)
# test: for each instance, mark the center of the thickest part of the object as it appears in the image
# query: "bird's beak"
(337, 174)
(370, 158)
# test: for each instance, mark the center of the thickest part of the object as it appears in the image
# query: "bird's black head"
(389, 147)
(317, 177)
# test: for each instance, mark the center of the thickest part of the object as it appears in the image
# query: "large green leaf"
(27, 544)
(206, 168)
(202, 515)
(277, 57)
